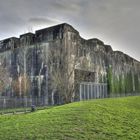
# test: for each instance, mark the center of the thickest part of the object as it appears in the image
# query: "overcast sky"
(115, 22)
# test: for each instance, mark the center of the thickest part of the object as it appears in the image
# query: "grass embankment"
(103, 119)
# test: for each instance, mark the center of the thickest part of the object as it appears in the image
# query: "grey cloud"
(42, 21)
(72, 6)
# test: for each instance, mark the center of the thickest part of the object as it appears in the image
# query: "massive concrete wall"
(120, 71)
(28, 56)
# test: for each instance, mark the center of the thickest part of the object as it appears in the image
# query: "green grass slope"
(103, 119)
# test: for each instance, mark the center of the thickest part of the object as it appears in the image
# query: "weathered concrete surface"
(28, 58)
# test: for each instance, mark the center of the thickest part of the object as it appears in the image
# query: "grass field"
(102, 119)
